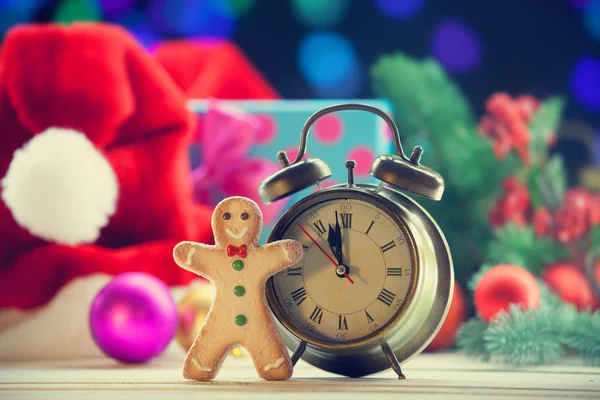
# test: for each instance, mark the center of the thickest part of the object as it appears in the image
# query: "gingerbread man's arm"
(196, 258)
(286, 253)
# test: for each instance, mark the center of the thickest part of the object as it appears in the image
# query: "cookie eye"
(244, 216)
(226, 216)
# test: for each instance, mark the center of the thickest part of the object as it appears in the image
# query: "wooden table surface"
(430, 376)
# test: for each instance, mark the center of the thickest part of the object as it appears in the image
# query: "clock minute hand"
(338, 239)
(334, 244)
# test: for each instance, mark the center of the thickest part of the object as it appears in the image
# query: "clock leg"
(389, 354)
(298, 352)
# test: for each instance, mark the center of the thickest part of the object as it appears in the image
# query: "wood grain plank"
(446, 375)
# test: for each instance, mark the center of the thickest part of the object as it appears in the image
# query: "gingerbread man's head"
(237, 221)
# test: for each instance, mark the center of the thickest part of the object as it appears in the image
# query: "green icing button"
(239, 291)
(238, 265)
(240, 320)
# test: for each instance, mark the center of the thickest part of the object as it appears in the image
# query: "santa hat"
(94, 159)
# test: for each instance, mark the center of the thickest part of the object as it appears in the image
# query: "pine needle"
(519, 245)
(524, 337)
(476, 277)
(470, 338)
(583, 335)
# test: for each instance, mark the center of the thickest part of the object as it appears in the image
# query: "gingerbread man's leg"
(271, 358)
(205, 357)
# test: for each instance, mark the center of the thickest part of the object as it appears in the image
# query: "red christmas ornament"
(569, 283)
(504, 285)
(455, 318)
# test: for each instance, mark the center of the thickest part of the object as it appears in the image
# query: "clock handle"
(344, 107)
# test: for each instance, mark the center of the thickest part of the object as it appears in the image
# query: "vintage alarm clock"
(376, 279)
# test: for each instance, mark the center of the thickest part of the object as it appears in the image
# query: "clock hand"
(324, 252)
(338, 239)
(333, 244)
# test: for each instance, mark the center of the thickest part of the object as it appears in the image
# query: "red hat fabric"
(213, 68)
(96, 79)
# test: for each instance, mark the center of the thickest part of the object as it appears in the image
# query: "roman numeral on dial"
(299, 295)
(346, 220)
(393, 272)
(388, 246)
(317, 315)
(319, 227)
(386, 297)
(369, 318)
(369, 228)
(342, 323)
(294, 271)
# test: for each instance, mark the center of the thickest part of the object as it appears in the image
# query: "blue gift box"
(334, 138)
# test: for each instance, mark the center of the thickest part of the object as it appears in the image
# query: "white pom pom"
(60, 187)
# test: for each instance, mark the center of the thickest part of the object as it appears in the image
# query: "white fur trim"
(60, 187)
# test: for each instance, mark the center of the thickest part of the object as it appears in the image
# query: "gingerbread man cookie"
(239, 269)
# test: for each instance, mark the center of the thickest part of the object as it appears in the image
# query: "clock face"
(357, 271)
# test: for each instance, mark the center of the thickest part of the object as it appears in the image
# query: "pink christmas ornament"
(133, 318)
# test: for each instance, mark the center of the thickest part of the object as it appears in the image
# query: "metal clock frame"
(424, 308)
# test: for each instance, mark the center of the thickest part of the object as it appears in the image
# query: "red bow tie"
(241, 251)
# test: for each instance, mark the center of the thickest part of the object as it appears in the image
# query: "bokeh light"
(399, 9)
(268, 129)
(330, 65)
(579, 4)
(240, 7)
(320, 13)
(364, 157)
(207, 18)
(30, 5)
(585, 82)
(591, 19)
(597, 147)
(328, 129)
(13, 12)
(136, 22)
(456, 46)
(114, 8)
(69, 11)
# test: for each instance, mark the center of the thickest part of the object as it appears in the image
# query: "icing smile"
(237, 235)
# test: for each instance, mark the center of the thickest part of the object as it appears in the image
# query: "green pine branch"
(430, 109)
(470, 338)
(532, 337)
(584, 337)
(425, 101)
(521, 246)
(543, 125)
(548, 184)
(595, 240)
(524, 337)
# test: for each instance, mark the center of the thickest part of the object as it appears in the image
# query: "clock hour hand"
(338, 239)
(333, 244)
